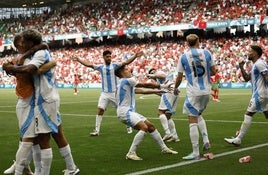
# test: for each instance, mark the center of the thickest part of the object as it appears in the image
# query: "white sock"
(164, 122)
(172, 128)
(98, 122)
(21, 156)
(203, 128)
(67, 155)
(157, 137)
(29, 158)
(19, 169)
(136, 141)
(37, 158)
(194, 136)
(46, 160)
(245, 126)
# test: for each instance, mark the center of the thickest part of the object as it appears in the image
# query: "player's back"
(197, 63)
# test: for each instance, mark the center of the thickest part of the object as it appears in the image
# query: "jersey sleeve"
(263, 68)
(132, 81)
(180, 67)
(39, 58)
(97, 67)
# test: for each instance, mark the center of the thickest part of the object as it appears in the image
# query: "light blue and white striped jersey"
(108, 79)
(44, 84)
(125, 96)
(159, 80)
(196, 64)
(259, 86)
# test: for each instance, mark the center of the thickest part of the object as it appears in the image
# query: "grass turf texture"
(106, 154)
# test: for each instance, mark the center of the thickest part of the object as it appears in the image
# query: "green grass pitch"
(105, 155)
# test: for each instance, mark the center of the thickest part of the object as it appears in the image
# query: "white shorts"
(195, 105)
(105, 99)
(25, 115)
(47, 118)
(132, 118)
(258, 104)
(168, 103)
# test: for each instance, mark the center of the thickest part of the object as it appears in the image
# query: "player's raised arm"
(132, 58)
(244, 74)
(75, 58)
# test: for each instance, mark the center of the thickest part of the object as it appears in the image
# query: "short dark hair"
(107, 52)
(117, 71)
(32, 35)
(257, 49)
(151, 70)
(17, 39)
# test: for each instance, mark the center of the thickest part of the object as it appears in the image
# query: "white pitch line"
(195, 161)
(151, 118)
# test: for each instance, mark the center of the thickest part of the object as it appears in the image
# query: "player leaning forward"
(126, 110)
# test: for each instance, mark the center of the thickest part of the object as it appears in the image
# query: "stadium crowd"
(159, 55)
(116, 15)
(125, 14)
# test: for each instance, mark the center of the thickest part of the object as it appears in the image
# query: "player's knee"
(151, 128)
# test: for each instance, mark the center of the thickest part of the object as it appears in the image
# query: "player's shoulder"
(41, 53)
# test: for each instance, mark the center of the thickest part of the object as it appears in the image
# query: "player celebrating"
(109, 82)
(198, 65)
(24, 90)
(126, 110)
(259, 99)
(166, 108)
(44, 119)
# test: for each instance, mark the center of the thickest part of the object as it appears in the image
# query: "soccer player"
(109, 82)
(198, 65)
(215, 84)
(75, 84)
(24, 90)
(166, 108)
(126, 110)
(46, 111)
(259, 100)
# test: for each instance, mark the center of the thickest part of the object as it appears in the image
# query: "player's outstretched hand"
(167, 85)
(7, 67)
